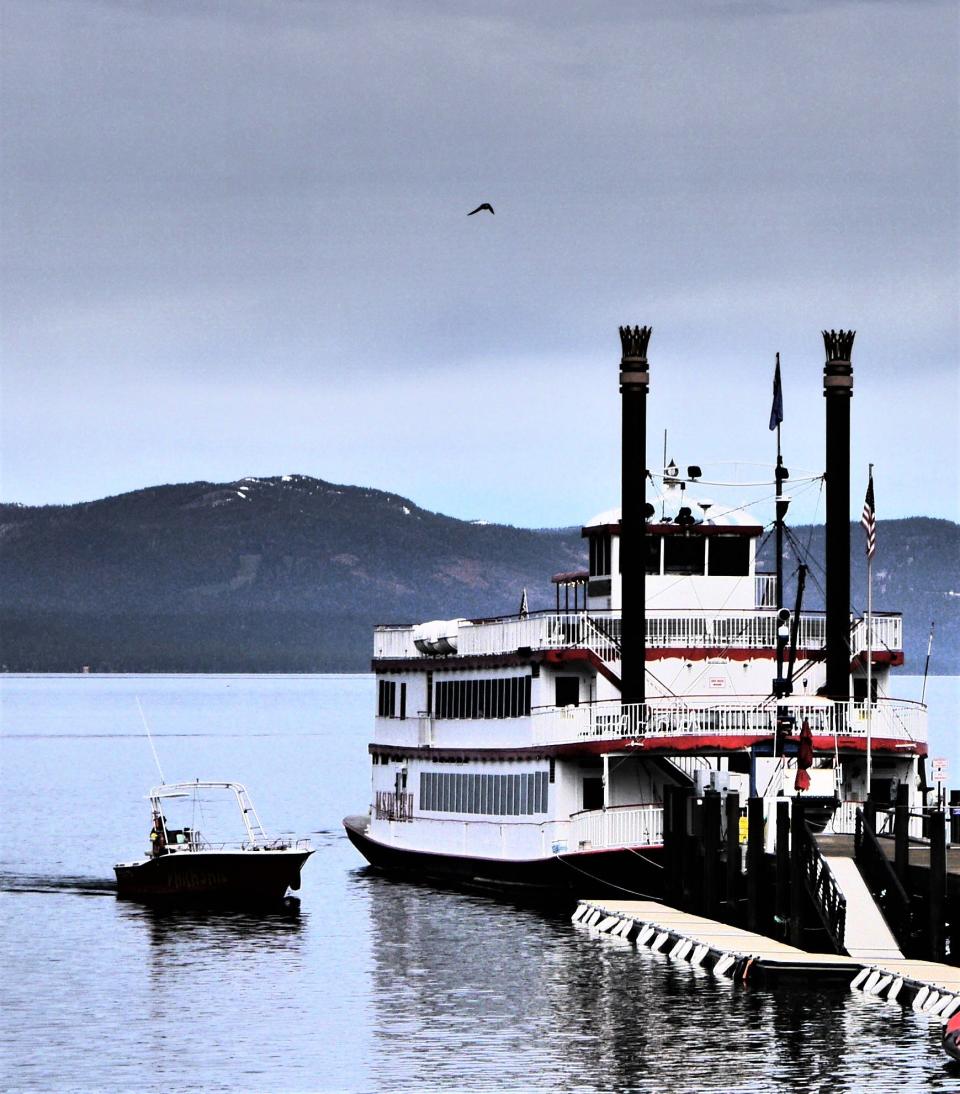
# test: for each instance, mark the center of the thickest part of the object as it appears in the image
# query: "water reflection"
(471, 993)
(207, 931)
(57, 883)
(209, 980)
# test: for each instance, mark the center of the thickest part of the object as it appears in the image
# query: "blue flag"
(776, 411)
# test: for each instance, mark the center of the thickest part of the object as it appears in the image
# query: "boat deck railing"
(272, 843)
(600, 632)
(617, 826)
(889, 719)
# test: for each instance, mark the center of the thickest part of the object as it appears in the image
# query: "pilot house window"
(683, 555)
(653, 544)
(600, 554)
(729, 556)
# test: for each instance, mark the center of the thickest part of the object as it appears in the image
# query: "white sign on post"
(939, 771)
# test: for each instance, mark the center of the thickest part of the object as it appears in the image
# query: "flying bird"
(486, 205)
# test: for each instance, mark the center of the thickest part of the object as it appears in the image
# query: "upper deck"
(675, 724)
(599, 631)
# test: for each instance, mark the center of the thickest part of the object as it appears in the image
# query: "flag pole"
(779, 686)
(870, 656)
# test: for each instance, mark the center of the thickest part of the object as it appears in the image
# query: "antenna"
(663, 500)
(146, 726)
(926, 667)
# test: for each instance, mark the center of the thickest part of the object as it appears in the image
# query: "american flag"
(869, 519)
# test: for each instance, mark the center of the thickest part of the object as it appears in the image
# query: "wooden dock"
(926, 986)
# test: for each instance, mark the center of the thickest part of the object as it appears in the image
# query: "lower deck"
(526, 808)
(623, 871)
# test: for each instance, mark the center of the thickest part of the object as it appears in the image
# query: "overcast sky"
(235, 243)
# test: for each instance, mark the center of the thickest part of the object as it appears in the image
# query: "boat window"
(683, 555)
(729, 556)
(599, 554)
(568, 691)
(490, 697)
(494, 795)
(860, 688)
(592, 793)
(386, 698)
(653, 553)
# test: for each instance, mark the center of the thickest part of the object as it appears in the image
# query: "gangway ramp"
(866, 934)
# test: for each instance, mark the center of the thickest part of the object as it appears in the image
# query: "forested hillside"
(289, 574)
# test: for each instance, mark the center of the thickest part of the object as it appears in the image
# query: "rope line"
(612, 885)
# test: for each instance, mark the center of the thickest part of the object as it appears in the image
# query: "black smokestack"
(634, 385)
(838, 391)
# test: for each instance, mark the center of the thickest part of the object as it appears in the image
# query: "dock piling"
(938, 884)
(711, 853)
(755, 859)
(734, 864)
(901, 834)
(798, 822)
(783, 861)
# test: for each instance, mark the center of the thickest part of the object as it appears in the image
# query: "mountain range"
(290, 573)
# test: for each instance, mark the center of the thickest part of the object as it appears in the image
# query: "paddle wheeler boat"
(534, 751)
(183, 863)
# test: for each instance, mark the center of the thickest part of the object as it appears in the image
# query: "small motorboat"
(184, 863)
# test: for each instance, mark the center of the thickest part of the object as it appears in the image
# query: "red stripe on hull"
(705, 743)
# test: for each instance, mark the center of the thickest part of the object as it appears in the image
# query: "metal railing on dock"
(827, 898)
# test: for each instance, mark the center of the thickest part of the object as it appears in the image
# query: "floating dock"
(927, 987)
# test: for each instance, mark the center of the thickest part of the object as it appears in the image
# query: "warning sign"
(939, 771)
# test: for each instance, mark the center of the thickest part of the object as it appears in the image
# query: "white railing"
(394, 642)
(690, 765)
(886, 632)
(888, 719)
(765, 590)
(600, 632)
(553, 630)
(269, 843)
(844, 821)
(617, 826)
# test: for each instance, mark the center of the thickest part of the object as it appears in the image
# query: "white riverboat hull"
(623, 871)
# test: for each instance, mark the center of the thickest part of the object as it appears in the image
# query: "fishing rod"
(146, 726)
(926, 667)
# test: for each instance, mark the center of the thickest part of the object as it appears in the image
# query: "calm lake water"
(372, 985)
